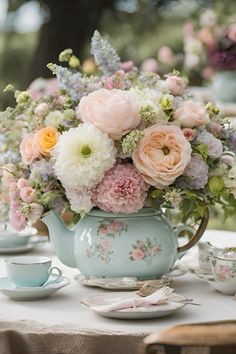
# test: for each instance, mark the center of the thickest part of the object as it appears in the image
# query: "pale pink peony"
(114, 112)
(191, 114)
(22, 183)
(189, 133)
(35, 213)
(27, 194)
(122, 190)
(232, 32)
(29, 149)
(16, 218)
(138, 254)
(175, 85)
(162, 154)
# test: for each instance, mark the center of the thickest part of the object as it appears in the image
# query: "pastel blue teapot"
(142, 245)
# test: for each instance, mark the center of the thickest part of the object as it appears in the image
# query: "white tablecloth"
(63, 313)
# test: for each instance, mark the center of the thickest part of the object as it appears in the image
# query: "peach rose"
(114, 112)
(191, 114)
(162, 154)
(47, 139)
(29, 149)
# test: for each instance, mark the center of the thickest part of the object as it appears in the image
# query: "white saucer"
(19, 249)
(96, 303)
(31, 293)
(227, 288)
(119, 283)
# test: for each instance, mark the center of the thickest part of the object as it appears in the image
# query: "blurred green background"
(32, 33)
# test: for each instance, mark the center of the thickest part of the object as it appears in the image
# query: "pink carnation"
(122, 190)
(16, 218)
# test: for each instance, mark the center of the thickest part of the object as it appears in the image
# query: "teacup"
(28, 271)
(223, 266)
(10, 237)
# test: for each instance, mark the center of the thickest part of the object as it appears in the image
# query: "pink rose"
(162, 154)
(138, 253)
(27, 194)
(191, 114)
(189, 133)
(106, 245)
(22, 183)
(175, 85)
(114, 112)
(41, 109)
(29, 149)
(36, 211)
(232, 32)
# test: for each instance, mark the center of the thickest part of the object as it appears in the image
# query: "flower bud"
(215, 184)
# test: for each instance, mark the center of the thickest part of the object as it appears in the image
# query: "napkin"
(160, 296)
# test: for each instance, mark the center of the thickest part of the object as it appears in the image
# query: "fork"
(148, 289)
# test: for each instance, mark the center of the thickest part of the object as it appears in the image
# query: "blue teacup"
(28, 271)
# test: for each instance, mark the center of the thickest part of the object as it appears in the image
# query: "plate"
(96, 303)
(31, 293)
(120, 283)
(14, 250)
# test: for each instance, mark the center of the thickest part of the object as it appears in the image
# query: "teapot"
(101, 244)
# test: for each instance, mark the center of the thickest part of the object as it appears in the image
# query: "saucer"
(120, 283)
(227, 288)
(31, 293)
(19, 249)
(96, 303)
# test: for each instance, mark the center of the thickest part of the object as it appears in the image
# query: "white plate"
(119, 283)
(96, 302)
(14, 250)
(31, 293)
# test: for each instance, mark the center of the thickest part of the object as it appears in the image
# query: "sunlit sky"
(28, 17)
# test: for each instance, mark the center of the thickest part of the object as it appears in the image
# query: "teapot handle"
(200, 231)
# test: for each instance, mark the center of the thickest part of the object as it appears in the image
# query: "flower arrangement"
(119, 141)
(211, 47)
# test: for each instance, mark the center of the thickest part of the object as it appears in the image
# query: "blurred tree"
(70, 25)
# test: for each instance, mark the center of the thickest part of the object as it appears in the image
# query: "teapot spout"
(62, 239)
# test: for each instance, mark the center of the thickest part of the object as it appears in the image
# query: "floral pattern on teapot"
(111, 227)
(144, 249)
(107, 229)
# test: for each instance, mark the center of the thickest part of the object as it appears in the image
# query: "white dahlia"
(83, 155)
